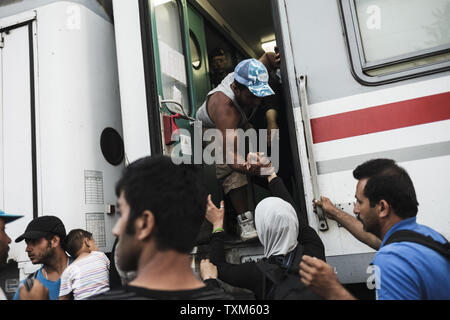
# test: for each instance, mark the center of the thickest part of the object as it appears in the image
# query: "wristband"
(218, 230)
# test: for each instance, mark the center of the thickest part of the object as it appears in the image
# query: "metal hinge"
(2, 41)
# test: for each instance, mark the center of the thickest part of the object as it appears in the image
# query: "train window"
(172, 59)
(391, 40)
(196, 55)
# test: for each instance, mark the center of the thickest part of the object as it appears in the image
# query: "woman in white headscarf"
(277, 226)
(282, 231)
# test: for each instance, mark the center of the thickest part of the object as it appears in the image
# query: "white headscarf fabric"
(277, 226)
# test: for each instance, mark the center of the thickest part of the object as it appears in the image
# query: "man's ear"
(385, 209)
(56, 240)
(234, 88)
(86, 242)
(144, 225)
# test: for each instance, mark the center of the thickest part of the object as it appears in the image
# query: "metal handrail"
(183, 113)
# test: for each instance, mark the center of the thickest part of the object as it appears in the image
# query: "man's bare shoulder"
(220, 106)
(219, 100)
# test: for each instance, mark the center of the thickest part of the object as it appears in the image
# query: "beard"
(48, 255)
(3, 258)
(126, 256)
(371, 225)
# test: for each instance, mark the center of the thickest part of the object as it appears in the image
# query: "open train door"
(154, 70)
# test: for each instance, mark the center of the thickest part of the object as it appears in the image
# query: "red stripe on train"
(381, 118)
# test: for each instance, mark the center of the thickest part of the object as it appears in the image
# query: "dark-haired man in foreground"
(386, 204)
(162, 206)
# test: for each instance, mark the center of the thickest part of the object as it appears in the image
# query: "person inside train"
(285, 235)
(268, 113)
(219, 66)
(272, 115)
(227, 108)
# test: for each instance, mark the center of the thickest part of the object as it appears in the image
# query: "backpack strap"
(30, 279)
(33, 275)
(427, 241)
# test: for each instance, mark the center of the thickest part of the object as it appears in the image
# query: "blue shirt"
(410, 271)
(53, 286)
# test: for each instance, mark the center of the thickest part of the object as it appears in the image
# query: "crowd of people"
(162, 207)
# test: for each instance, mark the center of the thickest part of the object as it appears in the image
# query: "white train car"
(60, 124)
(378, 86)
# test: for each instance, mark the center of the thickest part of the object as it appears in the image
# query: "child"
(88, 275)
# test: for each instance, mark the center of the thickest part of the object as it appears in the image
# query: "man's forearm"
(355, 227)
(271, 116)
(241, 168)
(339, 293)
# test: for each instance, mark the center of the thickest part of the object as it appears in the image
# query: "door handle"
(323, 224)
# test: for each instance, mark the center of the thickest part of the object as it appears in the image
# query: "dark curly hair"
(175, 194)
(389, 182)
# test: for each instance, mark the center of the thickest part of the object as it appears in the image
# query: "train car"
(60, 121)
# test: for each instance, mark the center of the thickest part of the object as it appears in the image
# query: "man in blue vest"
(404, 269)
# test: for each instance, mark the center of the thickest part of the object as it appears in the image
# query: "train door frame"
(292, 103)
(28, 20)
(196, 28)
(20, 201)
(151, 70)
(153, 76)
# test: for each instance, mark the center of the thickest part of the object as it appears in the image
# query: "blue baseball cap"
(253, 74)
(8, 217)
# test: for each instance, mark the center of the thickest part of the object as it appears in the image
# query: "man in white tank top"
(230, 106)
(5, 240)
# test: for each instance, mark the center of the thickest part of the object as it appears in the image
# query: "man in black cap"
(45, 238)
(5, 240)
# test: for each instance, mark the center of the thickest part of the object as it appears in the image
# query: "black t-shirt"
(211, 291)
